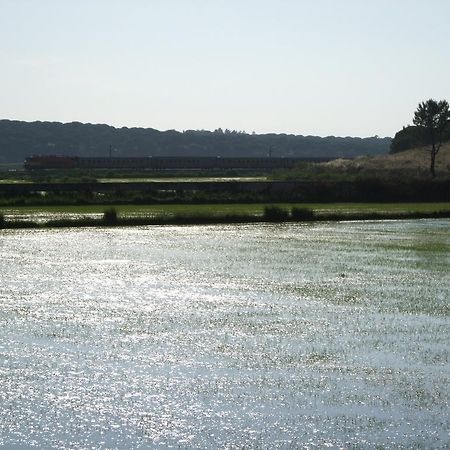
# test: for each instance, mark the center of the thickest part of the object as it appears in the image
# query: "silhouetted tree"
(433, 116)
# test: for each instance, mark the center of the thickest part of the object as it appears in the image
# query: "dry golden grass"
(413, 161)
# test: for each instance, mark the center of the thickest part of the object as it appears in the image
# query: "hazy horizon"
(296, 67)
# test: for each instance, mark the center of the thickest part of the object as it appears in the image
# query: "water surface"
(249, 336)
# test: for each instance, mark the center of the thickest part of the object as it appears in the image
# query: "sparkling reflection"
(258, 336)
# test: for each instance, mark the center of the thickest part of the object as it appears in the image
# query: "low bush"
(275, 214)
(110, 216)
(302, 214)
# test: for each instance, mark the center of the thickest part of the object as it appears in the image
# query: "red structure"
(50, 162)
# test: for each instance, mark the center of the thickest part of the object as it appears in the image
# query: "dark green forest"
(21, 139)
(413, 136)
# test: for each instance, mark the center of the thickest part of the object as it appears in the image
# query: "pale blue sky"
(320, 67)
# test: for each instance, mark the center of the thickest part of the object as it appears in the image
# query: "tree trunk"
(433, 160)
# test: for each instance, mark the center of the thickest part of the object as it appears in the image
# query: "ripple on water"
(330, 334)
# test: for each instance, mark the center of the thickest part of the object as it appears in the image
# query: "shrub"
(110, 216)
(275, 214)
(302, 214)
(2, 220)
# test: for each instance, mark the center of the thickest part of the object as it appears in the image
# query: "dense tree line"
(414, 136)
(21, 139)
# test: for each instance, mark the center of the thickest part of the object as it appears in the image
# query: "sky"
(310, 67)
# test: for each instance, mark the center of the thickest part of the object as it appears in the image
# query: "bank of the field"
(187, 215)
(215, 209)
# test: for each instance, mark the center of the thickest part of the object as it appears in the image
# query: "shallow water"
(261, 336)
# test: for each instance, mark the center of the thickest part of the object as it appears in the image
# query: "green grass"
(224, 209)
(92, 216)
(16, 181)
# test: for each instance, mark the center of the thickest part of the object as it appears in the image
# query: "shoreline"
(274, 216)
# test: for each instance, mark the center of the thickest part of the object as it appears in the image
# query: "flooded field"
(254, 336)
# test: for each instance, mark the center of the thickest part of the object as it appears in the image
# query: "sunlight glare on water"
(249, 336)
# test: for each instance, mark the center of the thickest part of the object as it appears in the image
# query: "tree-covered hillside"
(412, 137)
(21, 139)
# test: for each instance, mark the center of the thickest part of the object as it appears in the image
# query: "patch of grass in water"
(317, 357)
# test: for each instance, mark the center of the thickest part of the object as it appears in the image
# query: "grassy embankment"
(129, 215)
(400, 167)
(218, 209)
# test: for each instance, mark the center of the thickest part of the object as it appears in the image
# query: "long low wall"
(210, 186)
